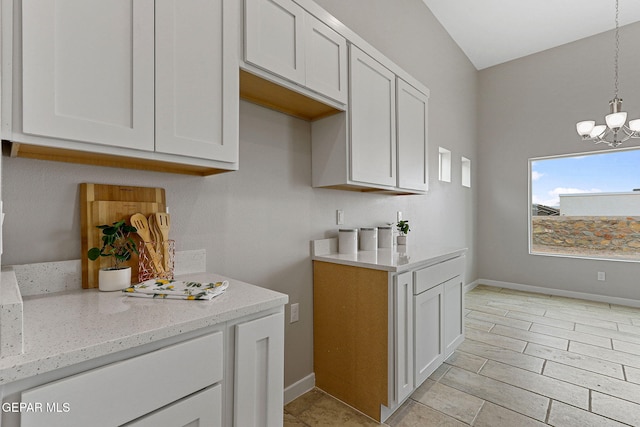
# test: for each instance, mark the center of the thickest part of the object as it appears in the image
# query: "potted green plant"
(116, 244)
(403, 229)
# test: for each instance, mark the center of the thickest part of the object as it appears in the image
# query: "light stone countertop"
(397, 259)
(66, 328)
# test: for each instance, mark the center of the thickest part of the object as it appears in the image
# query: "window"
(586, 205)
(444, 165)
(466, 172)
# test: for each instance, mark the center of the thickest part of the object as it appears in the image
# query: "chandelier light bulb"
(584, 128)
(616, 120)
(634, 125)
(597, 131)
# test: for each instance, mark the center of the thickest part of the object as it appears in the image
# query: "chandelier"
(616, 131)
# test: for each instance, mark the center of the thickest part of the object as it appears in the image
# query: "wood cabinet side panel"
(351, 335)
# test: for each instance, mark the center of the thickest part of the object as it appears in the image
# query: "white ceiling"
(491, 32)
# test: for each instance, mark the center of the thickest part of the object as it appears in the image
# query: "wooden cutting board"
(106, 204)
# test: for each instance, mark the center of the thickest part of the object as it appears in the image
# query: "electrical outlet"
(601, 276)
(295, 313)
(339, 217)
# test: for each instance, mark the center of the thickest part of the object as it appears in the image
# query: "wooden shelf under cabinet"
(260, 91)
(29, 151)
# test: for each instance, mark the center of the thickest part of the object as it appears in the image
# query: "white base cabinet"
(453, 291)
(203, 380)
(375, 364)
(201, 409)
(429, 328)
(404, 336)
(259, 366)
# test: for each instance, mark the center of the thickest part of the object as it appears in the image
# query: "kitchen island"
(384, 321)
(97, 352)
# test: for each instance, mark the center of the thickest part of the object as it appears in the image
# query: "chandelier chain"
(617, 54)
(616, 130)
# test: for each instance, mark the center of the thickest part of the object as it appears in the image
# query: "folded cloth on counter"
(176, 289)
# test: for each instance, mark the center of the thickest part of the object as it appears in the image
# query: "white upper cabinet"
(380, 143)
(326, 60)
(88, 71)
(412, 138)
(147, 84)
(196, 80)
(274, 37)
(373, 120)
(287, 41)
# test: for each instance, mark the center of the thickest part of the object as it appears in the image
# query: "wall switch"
(339, 217)
(399, 216)
(295, 312)
(601, 276)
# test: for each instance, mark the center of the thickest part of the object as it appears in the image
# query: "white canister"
(385, 237)
(348, 241)
(368, 238)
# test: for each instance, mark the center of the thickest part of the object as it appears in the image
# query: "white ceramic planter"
(114, 280)
(402, 240)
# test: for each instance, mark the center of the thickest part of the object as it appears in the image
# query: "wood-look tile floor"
(528, 360)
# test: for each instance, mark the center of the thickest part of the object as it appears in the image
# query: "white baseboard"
(470, 286)
(558, 292)
(299, 388)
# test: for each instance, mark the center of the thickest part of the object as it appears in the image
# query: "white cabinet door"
(274, 38)
(404, 336)
(373, 120)
(429, 342)
(453, 314)
(88, 71)
(259, 372)
(197, 79)
(201, 409)
(326, 60)
(412, 138)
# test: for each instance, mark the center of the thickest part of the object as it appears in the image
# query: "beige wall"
(528, 108)
(256, 223)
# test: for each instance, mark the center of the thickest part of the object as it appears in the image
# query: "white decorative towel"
(176, 289)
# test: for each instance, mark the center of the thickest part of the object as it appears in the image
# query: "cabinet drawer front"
(434, 275)
(122, 391)
(201, 409)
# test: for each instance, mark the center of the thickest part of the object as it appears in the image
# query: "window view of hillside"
(586, 205)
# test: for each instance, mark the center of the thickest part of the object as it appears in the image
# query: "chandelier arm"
(630, 133)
